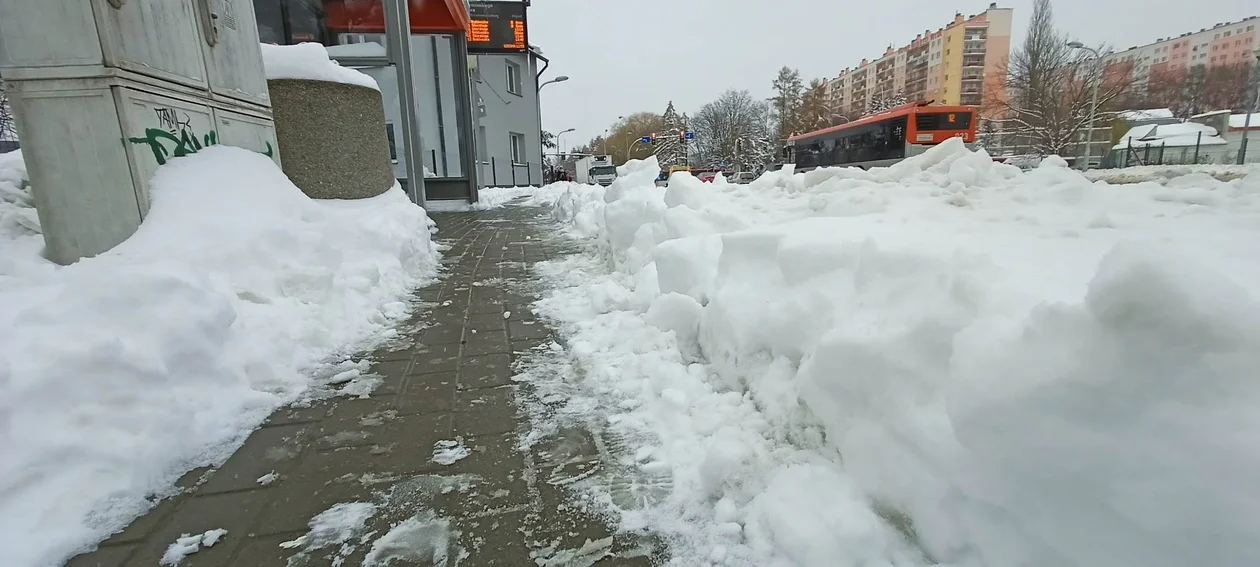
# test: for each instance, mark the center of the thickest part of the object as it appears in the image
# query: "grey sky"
(626, 57)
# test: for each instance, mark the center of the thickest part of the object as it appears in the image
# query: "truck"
(595, 170)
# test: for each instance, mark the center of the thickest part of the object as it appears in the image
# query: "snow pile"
(946, 361)
(1163, 173)
(421, 539)
(495, 197)
(310, 61)
(188, 544)
(334, 526)
(121, 372)
(19, 224)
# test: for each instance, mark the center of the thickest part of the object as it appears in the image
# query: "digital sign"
(497, 27)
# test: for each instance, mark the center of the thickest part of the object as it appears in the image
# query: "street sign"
(690, 135)
(645, 140)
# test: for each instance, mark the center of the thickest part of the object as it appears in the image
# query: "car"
(744, 177)
(708, 177)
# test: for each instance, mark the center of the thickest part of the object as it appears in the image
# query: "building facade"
(958, 64)
(486, 130)
(1226, 43)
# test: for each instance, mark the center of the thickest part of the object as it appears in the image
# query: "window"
(518, 147)
(1227, 34)
(513, 78)
(393, 150)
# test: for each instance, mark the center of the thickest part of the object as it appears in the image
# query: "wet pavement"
(447, 396)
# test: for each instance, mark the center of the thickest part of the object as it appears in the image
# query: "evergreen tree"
(669, 144)
(785, 105)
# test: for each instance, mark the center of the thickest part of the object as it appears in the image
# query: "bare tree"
(736, 129)
(880, 102)
(1200, 88)
(1049, 87)
(8, 130)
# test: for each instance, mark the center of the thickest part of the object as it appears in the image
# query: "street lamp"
(1093, 99)
(560, 79)
(560, 146)
(1251, 109)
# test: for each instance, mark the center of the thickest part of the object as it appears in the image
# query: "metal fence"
(1163, 154)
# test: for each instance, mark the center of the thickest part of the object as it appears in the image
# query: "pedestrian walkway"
(447, 379)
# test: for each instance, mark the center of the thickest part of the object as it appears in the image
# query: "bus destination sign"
(497, 27)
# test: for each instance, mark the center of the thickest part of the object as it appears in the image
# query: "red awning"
(368, 16)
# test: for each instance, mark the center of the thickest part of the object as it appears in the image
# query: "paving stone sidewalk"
(448, 379)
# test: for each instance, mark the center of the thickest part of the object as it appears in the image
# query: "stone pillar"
(332, 137)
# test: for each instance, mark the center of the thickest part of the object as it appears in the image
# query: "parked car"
(708, 176)
(743, 177)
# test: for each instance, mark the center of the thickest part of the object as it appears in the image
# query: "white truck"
(595, 170)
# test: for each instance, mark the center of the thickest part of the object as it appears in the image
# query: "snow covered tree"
(881, 102)
(1049, 86)
(815, 109)
(987, 136)
(669, 148)
(736, 129)
(785, 105)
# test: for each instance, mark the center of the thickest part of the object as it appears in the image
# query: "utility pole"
(1251, 108)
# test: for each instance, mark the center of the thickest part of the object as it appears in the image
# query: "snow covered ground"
(121, 372)
(948, 361)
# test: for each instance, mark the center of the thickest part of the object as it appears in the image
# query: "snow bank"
(310, 61)
(495, 197)
(946, 361)
(120, 372)
(20, 240)
(1163, 173)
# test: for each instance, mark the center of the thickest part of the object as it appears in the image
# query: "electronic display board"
(497, 27)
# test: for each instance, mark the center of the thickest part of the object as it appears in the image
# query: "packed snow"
(310, 61)
(948, 361)
(449, 452)
(121, 372)
(188, 544)
(494, 197)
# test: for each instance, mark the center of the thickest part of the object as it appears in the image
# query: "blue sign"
(690, 135)
(645, 140)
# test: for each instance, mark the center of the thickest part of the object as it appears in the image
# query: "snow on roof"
(1170, 135)
(309, 61)
(1148, 114)
(1237, 120)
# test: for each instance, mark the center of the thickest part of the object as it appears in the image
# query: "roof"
(1170, 135)
(1236, 121)
(1148, 114)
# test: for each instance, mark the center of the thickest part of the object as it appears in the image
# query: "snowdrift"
(948, 361)
(120, 372)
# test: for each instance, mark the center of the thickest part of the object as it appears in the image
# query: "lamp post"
(560, 146)
(560, 79)
(1251, 109)
(1093, 99)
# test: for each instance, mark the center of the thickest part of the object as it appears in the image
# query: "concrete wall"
(333, 137)
(505, 113)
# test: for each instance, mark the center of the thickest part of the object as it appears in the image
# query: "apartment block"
(1227, 43)
(959, 63)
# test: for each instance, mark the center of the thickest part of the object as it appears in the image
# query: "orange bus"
(882, 139)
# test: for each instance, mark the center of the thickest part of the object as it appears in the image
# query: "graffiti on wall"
(175, 137)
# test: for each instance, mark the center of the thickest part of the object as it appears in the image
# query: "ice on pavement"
(449, 452)
(947, 361)
(188, 544)
(119, 373)
(334, 526)
(310, 61)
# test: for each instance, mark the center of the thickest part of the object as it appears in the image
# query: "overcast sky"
(625, 57)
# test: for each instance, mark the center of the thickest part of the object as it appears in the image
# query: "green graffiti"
(166, 145)
(178, 138)
(184, 144)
